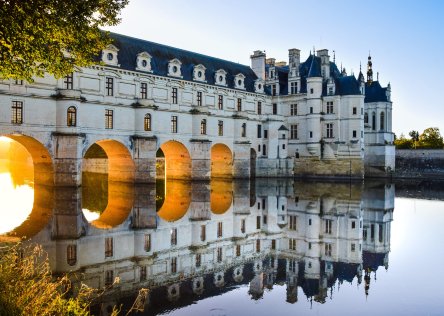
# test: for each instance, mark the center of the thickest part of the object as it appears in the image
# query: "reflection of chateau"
(306, 235)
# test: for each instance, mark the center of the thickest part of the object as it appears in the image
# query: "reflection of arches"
(177, 160)
(221, 161)
(176, 202)
(43, 168)
(120, 165)
(221, 196)
(253, 157)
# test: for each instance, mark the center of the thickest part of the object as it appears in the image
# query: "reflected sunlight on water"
(90, 215)
(16, 202)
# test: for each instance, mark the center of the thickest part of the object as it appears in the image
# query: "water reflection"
(205, 239)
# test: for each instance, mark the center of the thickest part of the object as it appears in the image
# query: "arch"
(221, 161)
(41, 158)
(115, 157)
(221, 196)
(177, 160)
(71, 116)
(176, 201)
(382, 121)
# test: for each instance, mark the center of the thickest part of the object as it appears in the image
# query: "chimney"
(258, 63)
(294, 60)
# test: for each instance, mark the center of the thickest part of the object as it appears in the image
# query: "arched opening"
(365, 118)
(110, 157)
(221, 161)
(221, 195)
(177, 161)
(382, 121)
(176, 200)
(26, 182)
(373, 121)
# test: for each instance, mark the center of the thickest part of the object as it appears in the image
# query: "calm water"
(231, 248)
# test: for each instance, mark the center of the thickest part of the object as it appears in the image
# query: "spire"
(369, 70)
(334, 57)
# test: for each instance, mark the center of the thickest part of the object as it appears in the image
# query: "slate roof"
(129, 47)
(375, 93)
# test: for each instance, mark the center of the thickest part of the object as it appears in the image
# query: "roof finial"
(360, 66)
(377, 76)
(334, 57)
(314, 50)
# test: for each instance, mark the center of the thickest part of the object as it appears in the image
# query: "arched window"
(203, 127)
(382, 120)
(147, 122)
(71, 118)
(366, 118)
(71, 254)
(244, 130)
(373, 121)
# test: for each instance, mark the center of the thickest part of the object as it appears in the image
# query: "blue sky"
(405, 38)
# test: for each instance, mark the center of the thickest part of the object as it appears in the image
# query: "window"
(244, 130)
(309, 222)
(219, 254)
(239, 104)
(311, 134)
(330, 90)
(353, 224)
(372, 232)
(273, 89)
(71, 117)
(328, 225)
(328, 250)
(293, 132)
(109, 277)
(292, 244)
(294, 87)
(265, 133)
(366, 118)
(109, 247)
(173, 124)
(243, 226)
(380, 232)
(71, 254)
(199, 98)
(203, 127)
(353, 247)
(263, 204)
(258, 222)
(355, 111)
(275, 108)
(147, 243)
(364, 234)
(329, 130)
(147, 122)
(264, 150)
(264, 219)
(143, 90)
(311, 91)
(258, 245)
(259, 107)
(309, 246)
(273, 244)
(259, 131)
(238, 250)
(330, 107)
(68, 81)
(174, 95)
(203, 233)
(220, 102)
(109, 119)
(311, 110)
(220, 127)
(173, 236)
(18, 82)
(293, 109)
(17, 112)
(198, 260)
(293, 222)
(109, 85)
(173, 265)
(219, 230)
(373, 121)
(143, 273)
(354, 133)
(381, 121)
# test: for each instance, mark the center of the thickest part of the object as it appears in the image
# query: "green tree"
(415, 137)
(38, 36)
(403, 143)
(431, 138)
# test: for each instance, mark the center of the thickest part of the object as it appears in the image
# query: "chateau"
(144, 103)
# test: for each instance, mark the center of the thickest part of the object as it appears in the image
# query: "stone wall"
(419, 163)
(311, 167)
(268, 168)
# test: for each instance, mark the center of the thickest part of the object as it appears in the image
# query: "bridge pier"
(144, 153)
(200, 159)
(68, 159)
(241, 160)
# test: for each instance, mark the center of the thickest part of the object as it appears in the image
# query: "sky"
(405, 39)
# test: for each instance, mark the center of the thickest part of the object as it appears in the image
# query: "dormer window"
(331, 87)
(199, 73)
(259, 86)
(143, 62)
(109, 55)
(220, 77)
(239, 81)
(174, 68)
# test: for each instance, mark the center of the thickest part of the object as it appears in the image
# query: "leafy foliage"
(431, 138)
(403, 143)
(38, 36)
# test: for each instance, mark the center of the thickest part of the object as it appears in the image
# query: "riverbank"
(419, 164)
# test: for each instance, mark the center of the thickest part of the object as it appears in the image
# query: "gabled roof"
(375, 93)
(129, 47)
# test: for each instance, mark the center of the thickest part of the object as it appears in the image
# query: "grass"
(27, 286)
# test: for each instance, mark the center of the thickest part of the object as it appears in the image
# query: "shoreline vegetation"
(28, 287)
